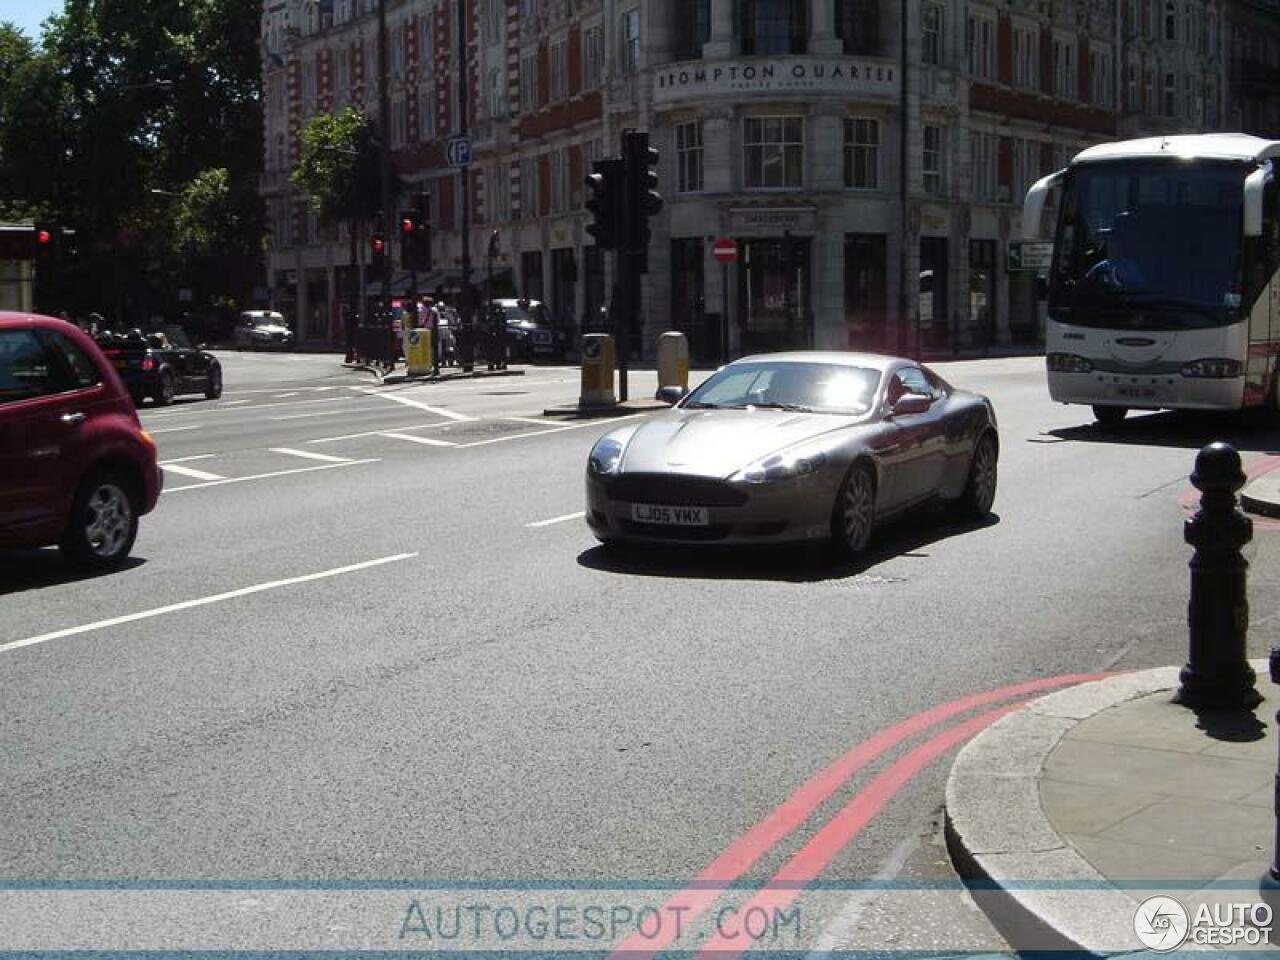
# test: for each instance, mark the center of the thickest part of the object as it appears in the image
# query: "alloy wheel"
(984, 475)
(108, 520)
(858, 510)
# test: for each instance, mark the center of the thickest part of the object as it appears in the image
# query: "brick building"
(779, 123)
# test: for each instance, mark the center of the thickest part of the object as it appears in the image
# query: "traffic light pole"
(464, 174)
(384, 136)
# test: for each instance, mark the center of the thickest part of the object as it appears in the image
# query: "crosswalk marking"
(309, 455)
(198, 456)
(534, 420)
(410, 402)
(568, 516)
(428, 441)
(264, 476)
(191, 472)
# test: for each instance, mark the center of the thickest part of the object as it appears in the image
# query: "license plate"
(676, 516)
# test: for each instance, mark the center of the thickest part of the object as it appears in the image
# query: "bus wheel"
(1109, 417)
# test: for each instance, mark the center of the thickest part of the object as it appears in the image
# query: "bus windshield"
(1149, 245)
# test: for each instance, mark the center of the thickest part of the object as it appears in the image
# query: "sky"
(28, 14)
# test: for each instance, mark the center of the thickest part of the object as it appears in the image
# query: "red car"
(76, 467)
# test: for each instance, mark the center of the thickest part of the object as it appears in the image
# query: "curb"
(999, 836)
(445, 377)
(591, 412)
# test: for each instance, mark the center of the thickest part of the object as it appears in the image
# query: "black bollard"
(1217, 675)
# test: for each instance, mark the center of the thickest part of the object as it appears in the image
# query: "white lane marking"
(232, 403)
(198, 456)
(265, 476)
(309, 455)
(318, 413)
(410, 402)
(281, 396)
(221, 408)
(191, 472)
(836, 935)
(378, 433)
(194, 426)
(428, 441)
(201, 601)
(541, 433)
(568, 516)
(533, 420)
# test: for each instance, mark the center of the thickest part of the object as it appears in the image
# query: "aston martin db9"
(795, 446)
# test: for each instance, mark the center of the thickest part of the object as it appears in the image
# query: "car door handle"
(72, 418)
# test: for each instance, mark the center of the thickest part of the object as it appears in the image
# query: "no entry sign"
(725, 250)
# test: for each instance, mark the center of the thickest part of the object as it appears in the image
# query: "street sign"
(458, 151)
(1030, 255)
(725, 250)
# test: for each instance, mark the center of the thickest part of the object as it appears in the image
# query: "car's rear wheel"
(855, 512)
(103, 523)
(1109, 417)
(214, 388)
(980, 486)
(165, 389)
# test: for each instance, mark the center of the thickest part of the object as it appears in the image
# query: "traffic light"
(607, 202)
(643, 199)
(46, 246)
(378, 252)
(415, 239)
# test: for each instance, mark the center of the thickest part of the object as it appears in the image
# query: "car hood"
(271, 329)
(717, 443)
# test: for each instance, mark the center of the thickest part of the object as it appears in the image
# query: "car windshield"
(789, 385)
(179, 337)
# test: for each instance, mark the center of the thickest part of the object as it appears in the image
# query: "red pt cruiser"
(76, 467)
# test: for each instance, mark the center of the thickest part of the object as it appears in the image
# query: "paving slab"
(1262, 494)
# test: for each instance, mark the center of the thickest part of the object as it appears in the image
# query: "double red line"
(787, 884)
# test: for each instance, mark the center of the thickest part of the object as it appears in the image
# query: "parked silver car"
(795, 446)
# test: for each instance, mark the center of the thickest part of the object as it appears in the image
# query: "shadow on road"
(31, 569)
(1192, 430)
(814, 563)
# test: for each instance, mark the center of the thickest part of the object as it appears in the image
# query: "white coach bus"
(1162, 286)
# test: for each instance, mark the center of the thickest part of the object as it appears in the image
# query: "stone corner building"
(780, 125)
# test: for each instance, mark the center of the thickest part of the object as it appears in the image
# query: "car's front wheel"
(855, 512)
(213, 390)
(103, 523)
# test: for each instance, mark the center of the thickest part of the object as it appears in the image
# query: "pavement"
(1262, 493)
(1067, 814)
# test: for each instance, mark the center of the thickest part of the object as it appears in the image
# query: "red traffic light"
(379, 245)
(44, 237)
(407, 225)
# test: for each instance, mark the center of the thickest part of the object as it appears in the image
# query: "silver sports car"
(795, 446)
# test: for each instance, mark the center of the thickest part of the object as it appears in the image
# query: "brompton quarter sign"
(775, 75)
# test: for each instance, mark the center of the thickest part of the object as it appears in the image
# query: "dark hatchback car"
(162, 365)
(76, 467)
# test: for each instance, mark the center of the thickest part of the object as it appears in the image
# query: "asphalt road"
(396, 652)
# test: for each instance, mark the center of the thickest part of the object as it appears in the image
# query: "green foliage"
(338, 166)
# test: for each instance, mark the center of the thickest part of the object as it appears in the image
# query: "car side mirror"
(670, 394)
(910, 404)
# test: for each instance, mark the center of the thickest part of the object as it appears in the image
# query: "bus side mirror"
(1042, 288)
(1254, 186)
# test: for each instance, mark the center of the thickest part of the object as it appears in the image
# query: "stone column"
(722, 43)
(822, 29)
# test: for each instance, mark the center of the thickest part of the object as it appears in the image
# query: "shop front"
(774, 308)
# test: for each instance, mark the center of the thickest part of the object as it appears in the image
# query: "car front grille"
(675, 491)
(663, 531)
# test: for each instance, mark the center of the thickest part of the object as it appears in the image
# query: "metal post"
(1217, 674)
(384, 142)
(724, 313)
(905, 233)
(467, 316)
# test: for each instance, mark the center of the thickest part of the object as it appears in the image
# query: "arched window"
(692, 24)
(858, 25)
(770, 27)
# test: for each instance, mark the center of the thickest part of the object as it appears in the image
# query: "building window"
(426, 40)
(559, 69)
(1131, 87)
(693, 18)
(629, 55)
(1100, 78)
(1189, 105)
(592, 57)
(861, 153)
(689, 157)
(309, 84)
(1170, 95)
(858, 26)
(932, 161)
(1149, 90)
(1170, 20)
(426, 113)
(399, 123)
(771, 27)
(559, 181)
(396, 53)
(341, 77)
(491, 23)
(1026, 58)
(529, 82)
(931, 33)
(984, 165)
(529, 188)
(1064, 68)
(498, 195)
(1026, 166)
(773, 150)
(980, 39)
(1210, 102)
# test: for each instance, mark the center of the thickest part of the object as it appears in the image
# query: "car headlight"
(783, 466)
(606, 457)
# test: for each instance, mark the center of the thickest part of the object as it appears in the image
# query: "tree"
(338, 166)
